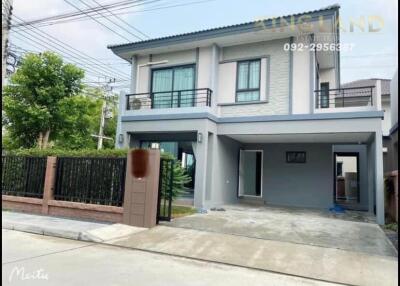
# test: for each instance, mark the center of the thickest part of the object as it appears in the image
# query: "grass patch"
(180, 211)
(392, 226)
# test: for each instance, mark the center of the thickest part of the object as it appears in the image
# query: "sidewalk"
(322, 264)
(66, 228)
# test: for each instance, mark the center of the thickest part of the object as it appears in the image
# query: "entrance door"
(347, 179)
(250, 173)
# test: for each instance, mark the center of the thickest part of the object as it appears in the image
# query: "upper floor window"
(248, 80)
(171, 87)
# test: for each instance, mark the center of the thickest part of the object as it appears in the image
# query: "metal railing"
(91, 180)
(23, 176)
(344, 97)
(169, 99)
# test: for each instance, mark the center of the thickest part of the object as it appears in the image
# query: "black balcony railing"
(344, 97)
(169, 99)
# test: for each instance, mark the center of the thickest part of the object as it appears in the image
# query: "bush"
(180, 176)
(34, 152)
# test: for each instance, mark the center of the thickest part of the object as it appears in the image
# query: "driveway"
(353, 231)
(57, 261)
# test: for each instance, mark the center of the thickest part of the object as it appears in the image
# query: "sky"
(374, 54)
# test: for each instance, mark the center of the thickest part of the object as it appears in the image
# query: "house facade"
(256, 112)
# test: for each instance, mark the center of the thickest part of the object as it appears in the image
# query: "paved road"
(30, 259)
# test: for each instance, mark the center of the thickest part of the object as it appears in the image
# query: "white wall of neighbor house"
(387, 119)
(394, 99)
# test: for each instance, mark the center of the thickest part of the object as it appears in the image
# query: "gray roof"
(385, 84)
(220, 31)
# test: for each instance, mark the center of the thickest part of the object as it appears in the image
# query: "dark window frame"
(346, 154)
(288, 161)
(324, 87)
(152, 70)
(248, 80)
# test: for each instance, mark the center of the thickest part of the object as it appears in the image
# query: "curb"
(51, 231)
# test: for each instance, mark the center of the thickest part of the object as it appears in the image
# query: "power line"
(122, 20)
(87, 69)
(65, 46)
(94, 19)
(122, 5)
(154, 8)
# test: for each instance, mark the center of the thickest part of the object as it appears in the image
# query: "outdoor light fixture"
(199, 137)
(121, 138)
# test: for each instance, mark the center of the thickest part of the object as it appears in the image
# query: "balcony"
(200, 97)
(352, 97)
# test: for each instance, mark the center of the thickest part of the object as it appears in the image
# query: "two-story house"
(256, 109)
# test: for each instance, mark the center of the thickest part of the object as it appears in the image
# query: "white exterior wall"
(386, 122)
(328, 75)
(277, 81)
(143, 75)
(394, 99)
(302, 91)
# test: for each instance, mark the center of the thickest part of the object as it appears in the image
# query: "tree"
(34, 101)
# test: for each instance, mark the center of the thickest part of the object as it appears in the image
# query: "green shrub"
(180, 176)
(34, 152)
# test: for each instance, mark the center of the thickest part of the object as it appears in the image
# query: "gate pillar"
(141, 188)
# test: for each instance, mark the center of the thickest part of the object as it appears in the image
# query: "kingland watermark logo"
(19, 273)
(308, 23)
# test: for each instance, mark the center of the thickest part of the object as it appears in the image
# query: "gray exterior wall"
(225, 174)
(303, 185)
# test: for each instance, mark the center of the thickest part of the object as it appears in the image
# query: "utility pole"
(5, 28)
(102, 122)
(104, 114)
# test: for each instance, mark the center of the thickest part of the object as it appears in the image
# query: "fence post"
(49, 183)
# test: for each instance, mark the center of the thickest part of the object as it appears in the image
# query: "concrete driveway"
(353, 231)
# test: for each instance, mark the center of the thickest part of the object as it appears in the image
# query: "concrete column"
(371, 175)
(201, 169)
(214, 76)
(49, 183)
(121, 111)
(379, 183)
(133, 74)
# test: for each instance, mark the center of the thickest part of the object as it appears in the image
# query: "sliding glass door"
(173, 87)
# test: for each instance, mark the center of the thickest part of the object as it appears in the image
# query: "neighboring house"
(359, 96)
(391, 141)
(258, 122)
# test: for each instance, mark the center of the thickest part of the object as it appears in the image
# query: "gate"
(165, 190)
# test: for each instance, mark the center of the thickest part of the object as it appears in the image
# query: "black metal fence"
(23, 176)
(344, 97)
(91, 180)
(165, 190)
(169, 99)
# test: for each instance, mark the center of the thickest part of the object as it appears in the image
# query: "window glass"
(248, 85)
